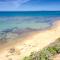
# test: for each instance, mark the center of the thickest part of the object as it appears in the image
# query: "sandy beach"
(33, 42)
(57, 57)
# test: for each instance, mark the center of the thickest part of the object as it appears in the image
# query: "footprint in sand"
(14, 51)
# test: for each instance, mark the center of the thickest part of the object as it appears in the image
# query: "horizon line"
(30, 11)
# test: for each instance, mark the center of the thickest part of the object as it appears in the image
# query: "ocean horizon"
(29, 13)
(27, 19)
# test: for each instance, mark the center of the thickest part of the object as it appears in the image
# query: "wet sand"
(34, 42)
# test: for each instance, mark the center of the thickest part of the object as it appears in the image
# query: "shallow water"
(16, 24)
(36, 22)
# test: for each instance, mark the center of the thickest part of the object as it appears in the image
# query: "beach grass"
(46, 53)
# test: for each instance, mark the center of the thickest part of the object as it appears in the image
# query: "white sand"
(33, 42)
(56, 57)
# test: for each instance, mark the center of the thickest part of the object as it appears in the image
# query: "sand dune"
(33, 42)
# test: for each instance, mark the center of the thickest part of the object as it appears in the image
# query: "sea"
(21, 22)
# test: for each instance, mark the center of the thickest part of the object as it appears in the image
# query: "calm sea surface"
(19, 24)
(28, 19)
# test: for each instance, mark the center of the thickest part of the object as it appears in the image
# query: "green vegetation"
(47, 53)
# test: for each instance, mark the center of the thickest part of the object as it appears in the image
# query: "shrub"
(47, 53)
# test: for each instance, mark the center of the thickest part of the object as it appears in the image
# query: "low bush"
(47, 53)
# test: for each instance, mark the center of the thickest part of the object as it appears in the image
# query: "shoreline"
(33, 42)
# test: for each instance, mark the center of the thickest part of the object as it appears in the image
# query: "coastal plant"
(46, 53)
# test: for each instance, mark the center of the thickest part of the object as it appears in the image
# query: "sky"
(29, 5)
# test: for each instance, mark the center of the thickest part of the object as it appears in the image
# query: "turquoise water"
(28, 20)
(18, 24)
(30, 13)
